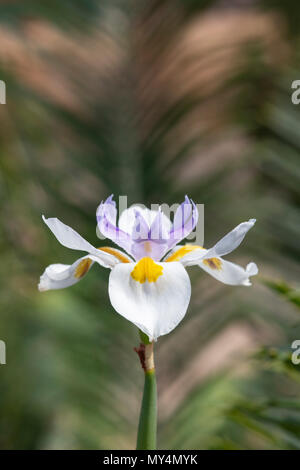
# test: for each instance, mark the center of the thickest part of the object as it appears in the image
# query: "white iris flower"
(148, 283)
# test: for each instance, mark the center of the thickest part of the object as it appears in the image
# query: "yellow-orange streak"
(85, 264)
(181, 252)
(147, 247)
(146, 270)
(116, 253)
(213, 263)
(83, 268)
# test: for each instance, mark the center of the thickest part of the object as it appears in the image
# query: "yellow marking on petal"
(146, 270)
(213, 263)
(147, 247)
(181, 252)
(85, 264)
(83, 268)
(116, 253)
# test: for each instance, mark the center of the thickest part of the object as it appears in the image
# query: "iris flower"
(148, 282)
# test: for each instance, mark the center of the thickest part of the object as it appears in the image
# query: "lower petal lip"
(155, 307)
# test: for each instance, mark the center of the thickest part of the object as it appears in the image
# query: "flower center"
(146, 270)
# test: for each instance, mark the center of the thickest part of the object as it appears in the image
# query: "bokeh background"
(150, 99)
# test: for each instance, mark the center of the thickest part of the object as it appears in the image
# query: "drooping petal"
(59, 276)
(153, 296)
(227, 272)
(185, 220)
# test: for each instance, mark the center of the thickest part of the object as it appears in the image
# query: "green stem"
(146, 438)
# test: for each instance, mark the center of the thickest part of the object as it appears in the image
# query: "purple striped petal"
(149, 241)
(153, 239)
(185, 220)
(158, 229)
(140, 229)
(106, 219)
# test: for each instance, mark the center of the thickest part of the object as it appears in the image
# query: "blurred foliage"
(152, 100)
(292, 295)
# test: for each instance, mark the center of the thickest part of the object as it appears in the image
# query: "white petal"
(69, 237)
(106, 257)
(109, 257)
(59, 276)
(232, 240)
(226, 245)
(157, 307)
(229, 273)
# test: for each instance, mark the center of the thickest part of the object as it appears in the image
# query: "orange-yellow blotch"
(181, 252)
(115, 253)
(213, 263)
(146, 270)
(83, 268)
(147, 247)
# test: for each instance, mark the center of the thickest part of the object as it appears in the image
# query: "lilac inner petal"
(148, 239)
(140, 229)
(106, 218)
(158, 230)
(185, 220)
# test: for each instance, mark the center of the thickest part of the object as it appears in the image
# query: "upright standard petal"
(127, 218)
(160, 227)
(148, 230)
(107, 224)
(185, 220)
(153, 296)
(153, 243)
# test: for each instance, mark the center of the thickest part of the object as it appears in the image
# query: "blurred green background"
(150, 99)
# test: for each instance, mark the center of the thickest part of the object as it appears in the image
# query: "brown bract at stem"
(145, 353)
